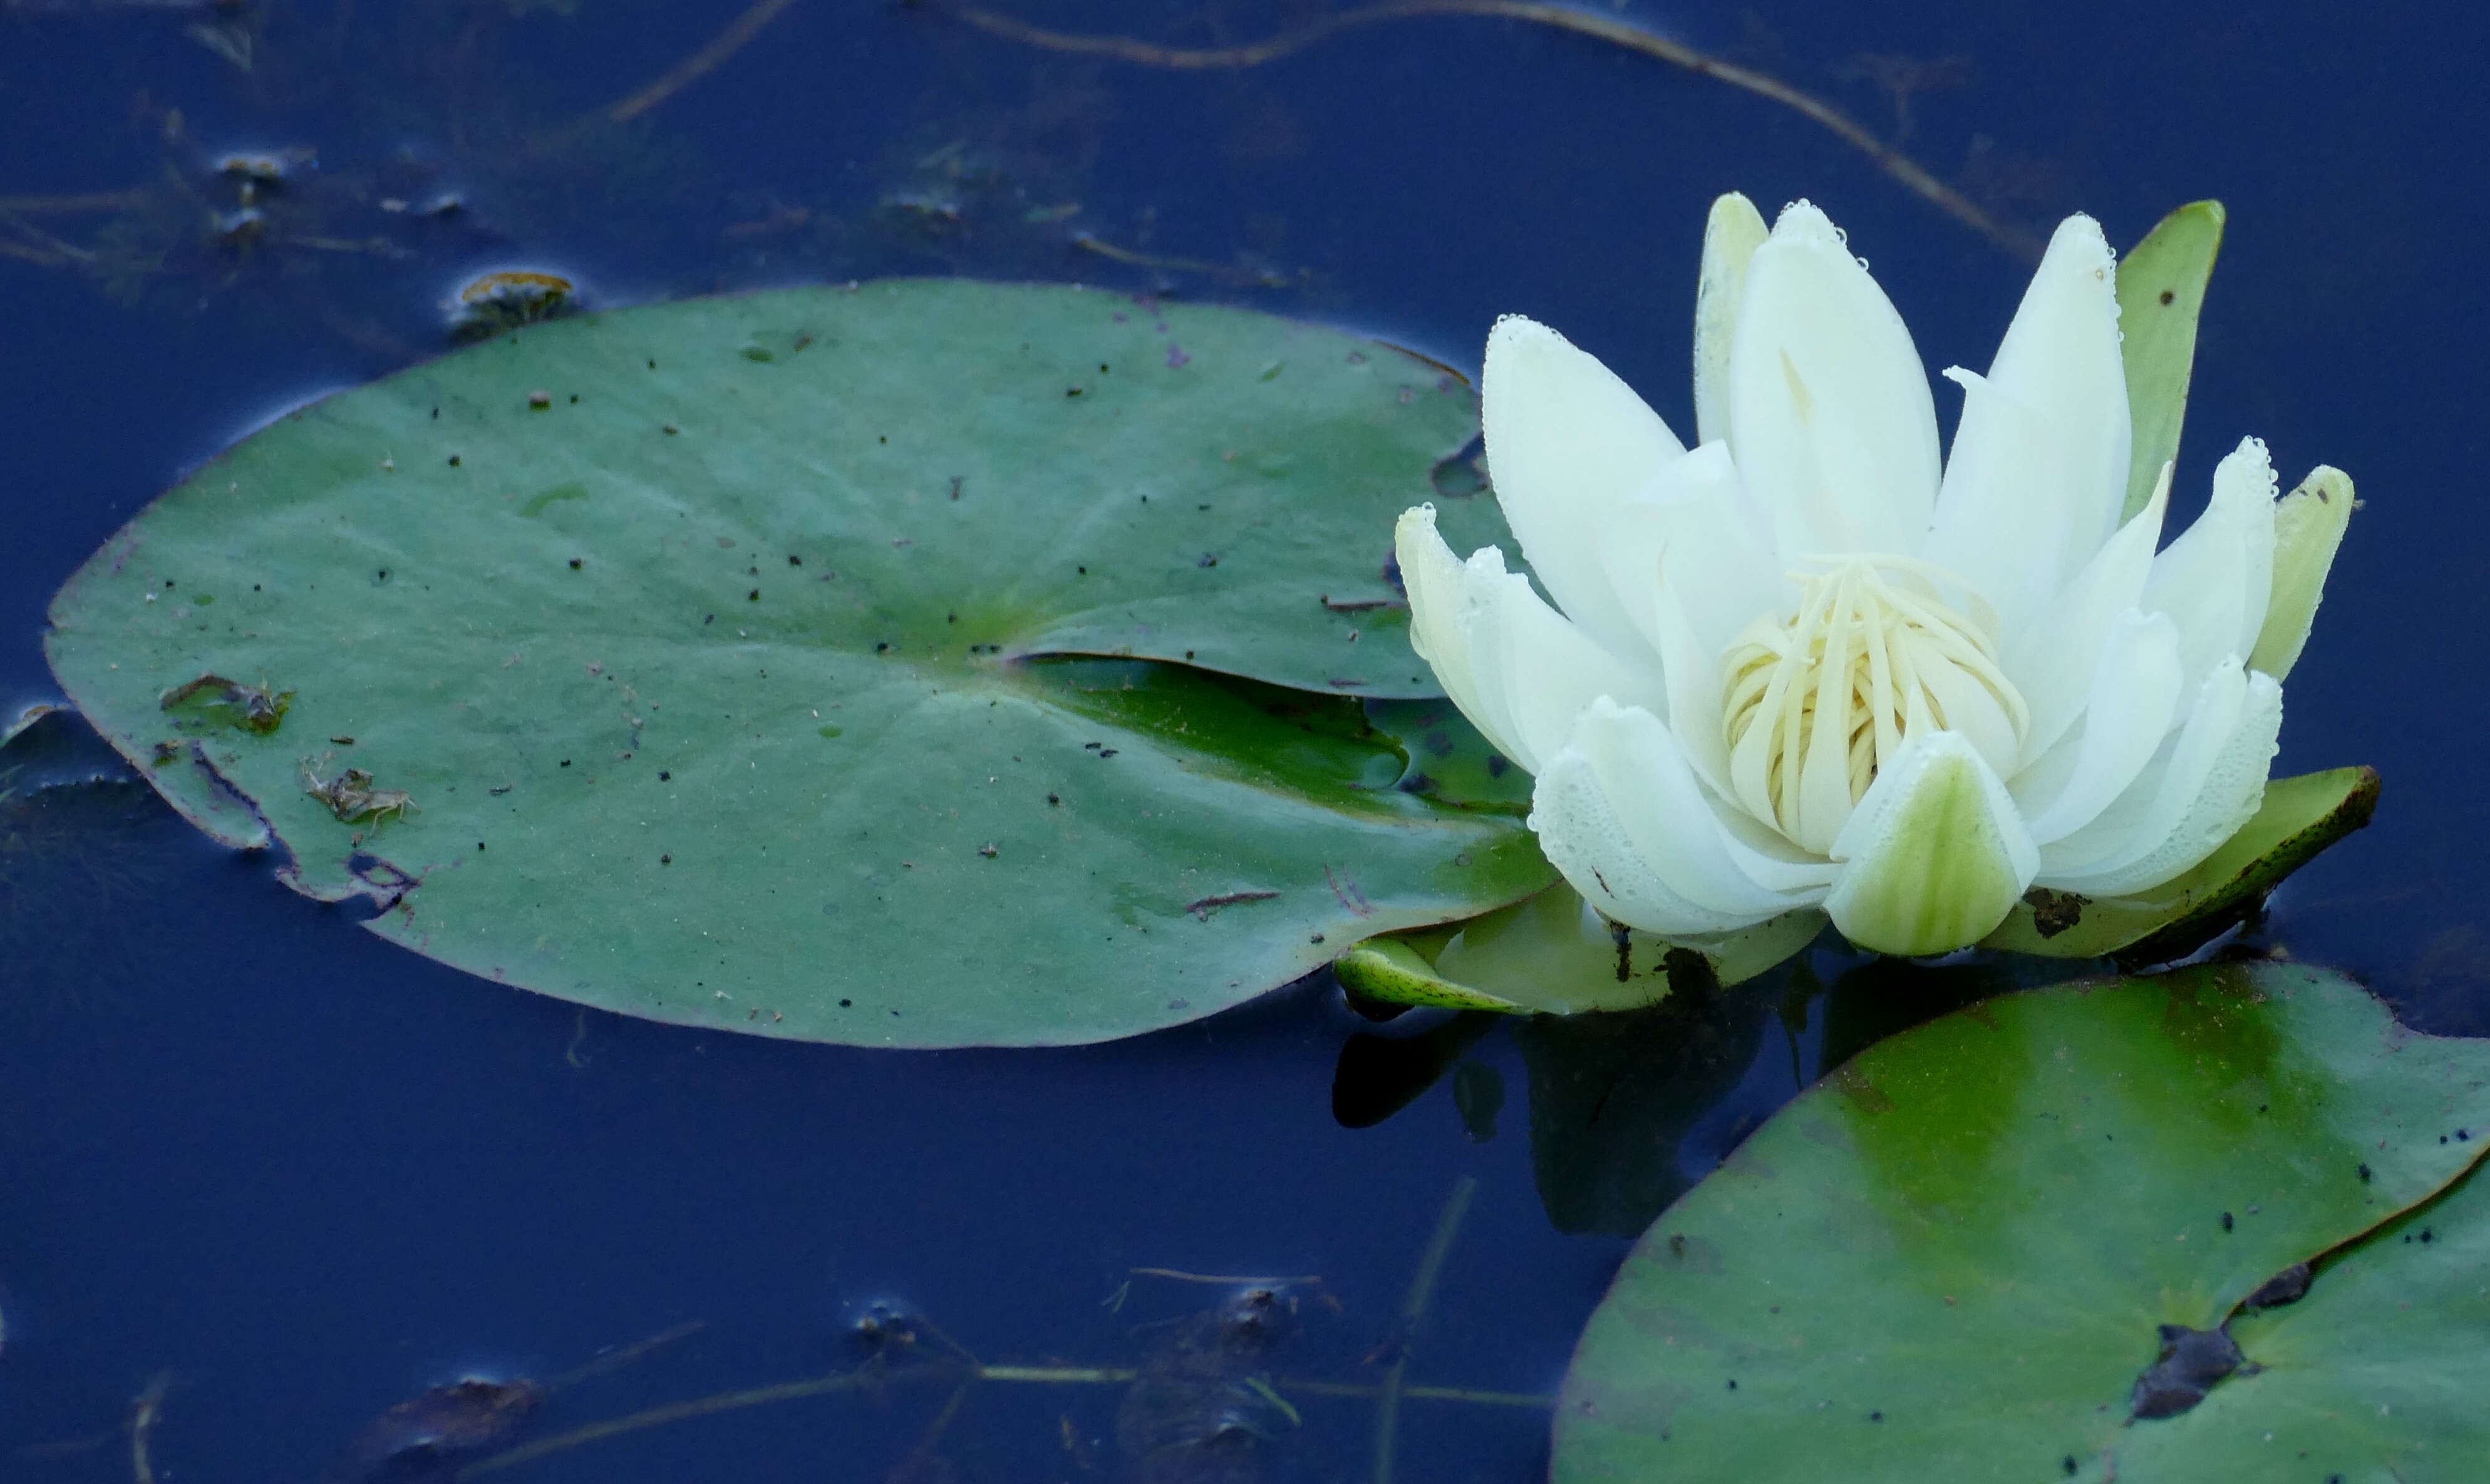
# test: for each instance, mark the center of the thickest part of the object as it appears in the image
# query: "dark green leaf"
(717, 685)
(1952, 1258)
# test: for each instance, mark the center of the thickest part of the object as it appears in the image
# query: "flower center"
(1814, 702)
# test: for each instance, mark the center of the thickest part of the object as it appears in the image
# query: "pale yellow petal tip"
(1935, 864)
(1734, 217)
(2308, 526)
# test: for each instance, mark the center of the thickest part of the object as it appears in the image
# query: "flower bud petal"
(1934, 857)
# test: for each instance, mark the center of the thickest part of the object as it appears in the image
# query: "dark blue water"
(308, 1174)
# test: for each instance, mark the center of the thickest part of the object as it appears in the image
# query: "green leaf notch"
(1952, 1258)
(716, 647)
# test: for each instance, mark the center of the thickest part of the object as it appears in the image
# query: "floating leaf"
(2160, 294)
(1955, 1256)
(720, 681)
(2300, 817)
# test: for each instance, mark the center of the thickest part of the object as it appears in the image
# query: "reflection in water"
(1201, 1410)
(429, 1436)
(1613, 1095)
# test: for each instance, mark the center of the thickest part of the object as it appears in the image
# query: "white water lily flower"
(1804, 666)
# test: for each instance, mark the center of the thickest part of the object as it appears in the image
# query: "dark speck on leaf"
(2226, 1221)
(794, 560)
(2364, 1175)
(880, 648)
(1188, 653)
(1208, 559)
(1054, 799)
(1415, 783)
(754, 595)
(2289, 1286)
(1082, 571)
(1876, 1416)
(1497, 764)
(666, 859)
(1318, 938)
(665, 777)
(453, 460)
(846, 1004)
(1106, 752)
(574, 564)
(1733, 1383)
(565, 762)
(2168, 297)
(2067, 1464)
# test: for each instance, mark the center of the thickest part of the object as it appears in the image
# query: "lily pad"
(2300, 817)
(2161, 296)
(1953, 1258)
(710, 648)
(2377, 1374)
(1555, 954)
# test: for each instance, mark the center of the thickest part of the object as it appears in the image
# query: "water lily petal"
(2038, 467)
(1693, 534)
(1936, 855)
(1663, 809)
(2206, 783)
(2053, 660)
(2136, 698)
(1534, 669)
(2307, 531)
(1830, 417)
(2214, 580)
(1439, 618)
(1619, 813)
(1566, 440)
(1730, 237)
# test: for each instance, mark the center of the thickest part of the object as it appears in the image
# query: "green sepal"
(2160, 293)
(2300, 817)
(1547, 955)
(1391, 971)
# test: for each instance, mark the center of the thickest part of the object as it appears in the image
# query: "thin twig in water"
(1913, 175)
(616, 1359)
(699, 63)
(71, 205)
(1413, 1308)
(1223, 1279)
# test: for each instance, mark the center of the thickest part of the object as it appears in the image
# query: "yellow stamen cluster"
(1814, 702)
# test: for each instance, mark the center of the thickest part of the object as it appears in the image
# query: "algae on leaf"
(720, 648)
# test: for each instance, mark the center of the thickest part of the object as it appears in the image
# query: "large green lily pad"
(1951, 1259)
(693, 662)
